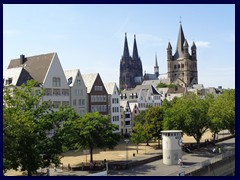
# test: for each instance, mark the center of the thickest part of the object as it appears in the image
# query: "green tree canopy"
(189, 114)
(222, 112)
(26, 120)
(90, 132)
(154, 118)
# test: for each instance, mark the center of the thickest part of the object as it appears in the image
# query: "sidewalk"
(191, 161)
(121, 152)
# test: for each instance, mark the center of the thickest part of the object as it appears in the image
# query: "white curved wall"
(172, 150)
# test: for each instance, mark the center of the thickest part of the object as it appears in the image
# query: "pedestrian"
(48, 172)
(91, 165)
(82, 166)
(69, 167)
(214, 150)
(219, 150)
(180, 162)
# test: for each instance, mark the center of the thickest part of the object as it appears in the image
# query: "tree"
(141, 119)
(154, 117)
(189, 114)
(138, 135)
(90, 132)
(26, 120)
(222, 113)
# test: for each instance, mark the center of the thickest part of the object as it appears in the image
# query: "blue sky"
(91, 37)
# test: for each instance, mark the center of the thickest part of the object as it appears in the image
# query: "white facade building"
(114, 104)
(47, 70)
(126, 118)
(78, 91)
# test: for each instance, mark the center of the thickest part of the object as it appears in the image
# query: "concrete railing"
(222, 164)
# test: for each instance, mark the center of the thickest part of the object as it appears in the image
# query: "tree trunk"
(91, 155)
(29, 172)
(137, 148)
(147, 143)
(158, 143)
(214, 137)
(198, 144)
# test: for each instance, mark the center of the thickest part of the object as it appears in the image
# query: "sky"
(91, 37)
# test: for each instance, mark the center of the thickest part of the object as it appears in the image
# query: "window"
(65, 103)
(98, 88)
(56, 104)
(74, 102)
(127, 115)
(9, 81)
(65, 92)
(182, 65)
(99, 108)
(98, 98)
(79, 82)
(48, 92)
(127, 123)
(56, 82)
(77, 92)
(56, 92)
(175, 67)
(178, 66)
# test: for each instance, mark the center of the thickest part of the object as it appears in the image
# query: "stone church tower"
(130, 67)
(182, 67)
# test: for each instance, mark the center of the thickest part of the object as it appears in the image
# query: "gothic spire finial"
(135, 50)
(156, 63)
(180, 20)
(125, 49)
(180, 40)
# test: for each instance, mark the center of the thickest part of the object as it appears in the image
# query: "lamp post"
(127, 140)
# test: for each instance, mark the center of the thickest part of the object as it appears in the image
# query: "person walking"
(180, 162)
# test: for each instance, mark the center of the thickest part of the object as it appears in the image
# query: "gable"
(55, 71)
(98, 86)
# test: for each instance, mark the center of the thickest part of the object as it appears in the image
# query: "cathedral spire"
(125, 50)
(135, 50)
(156, 63)
(181, 39)
(156, 67)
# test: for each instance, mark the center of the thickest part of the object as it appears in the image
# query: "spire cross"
(180, 20)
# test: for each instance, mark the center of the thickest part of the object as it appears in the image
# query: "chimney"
(22, 59)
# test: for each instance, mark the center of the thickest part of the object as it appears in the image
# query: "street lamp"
(126, 140)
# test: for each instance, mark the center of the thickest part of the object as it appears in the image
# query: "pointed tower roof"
(135, 50)
(125, 50)
(169, 46)
(156, 63)
(185, 44)
(194, 46)
(181, 39)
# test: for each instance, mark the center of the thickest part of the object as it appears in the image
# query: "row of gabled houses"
(88, 93)
(83, 92)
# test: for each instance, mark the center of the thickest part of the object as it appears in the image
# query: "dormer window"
(69, 80)
(9, 81)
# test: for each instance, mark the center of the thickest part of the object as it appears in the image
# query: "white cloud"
(202, 44)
